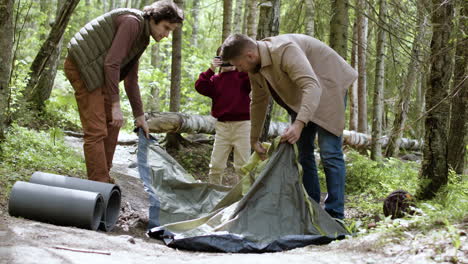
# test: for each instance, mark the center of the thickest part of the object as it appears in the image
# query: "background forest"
(411, 57)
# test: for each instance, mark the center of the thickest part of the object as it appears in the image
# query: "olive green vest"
(88, 48)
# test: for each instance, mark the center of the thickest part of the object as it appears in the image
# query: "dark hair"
(234, 45)
(164, 10)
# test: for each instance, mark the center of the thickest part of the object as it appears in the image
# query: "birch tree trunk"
(44, 66)
(310, 16)
(339, 27)
(167, 122)
(6, 56)
(376, 146)
(252, 19)
(176, 65)
(362, 78)
(195, 25)
(434, 171)
(414, 67)
(353, 90)
(237, 22)
(458, 131)
(227, 18)
(245, 17)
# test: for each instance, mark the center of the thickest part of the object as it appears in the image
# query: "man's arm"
(127, 33)
(124, 38)
(258, 109)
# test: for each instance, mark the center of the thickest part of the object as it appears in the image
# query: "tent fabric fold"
(267, 211)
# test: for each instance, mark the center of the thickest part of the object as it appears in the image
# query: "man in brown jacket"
(309, 80)
(103, 53)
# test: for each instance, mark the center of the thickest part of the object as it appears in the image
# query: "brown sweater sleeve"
(127, 29)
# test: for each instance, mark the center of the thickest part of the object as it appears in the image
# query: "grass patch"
(369, 182)
(25, 151)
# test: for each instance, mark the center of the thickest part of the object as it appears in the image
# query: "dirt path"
(24, 241)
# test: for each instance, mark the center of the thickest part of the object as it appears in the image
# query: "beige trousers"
(232, 135)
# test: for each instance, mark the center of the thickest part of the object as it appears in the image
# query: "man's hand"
(216, 62)
(141, 122)
(293, 132)
(117, 116)
(261, 151)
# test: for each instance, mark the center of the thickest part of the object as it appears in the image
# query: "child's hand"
(216, 62)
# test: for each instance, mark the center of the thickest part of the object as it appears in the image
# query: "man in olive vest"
(310, 81)
(103, 53)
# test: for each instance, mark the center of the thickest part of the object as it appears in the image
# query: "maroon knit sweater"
(229, 92)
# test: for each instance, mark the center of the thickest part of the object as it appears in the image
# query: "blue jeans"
(331, 154)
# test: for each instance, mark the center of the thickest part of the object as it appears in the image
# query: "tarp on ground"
(273, 214)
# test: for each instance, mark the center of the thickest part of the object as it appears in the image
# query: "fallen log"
(165, 122)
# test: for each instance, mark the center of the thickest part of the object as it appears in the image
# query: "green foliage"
(379, 179)
(25, 151)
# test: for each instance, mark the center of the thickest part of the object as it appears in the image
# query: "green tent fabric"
(274, 214)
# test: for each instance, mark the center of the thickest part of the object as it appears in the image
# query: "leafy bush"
(25, 151)
(379, 179)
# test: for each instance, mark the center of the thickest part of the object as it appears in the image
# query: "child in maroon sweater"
(229, 91)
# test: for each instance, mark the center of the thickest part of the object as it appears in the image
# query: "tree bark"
(195, 25)
(252, 19)
(45, 9)
(227, 18)
(458, 130)
(362, 78)
(167, 122)
(44, 66)
(353, 90)
(174, 104)
(237, 22)
(310, 16)
(414, 67)
(268, 25)
(377, 115)
(434, 171)
(6, 56)
(339, 27)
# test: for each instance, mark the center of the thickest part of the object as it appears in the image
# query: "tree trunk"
(458, 137)
(362, 78)
(44, 66)
(252, 19)
(185, 123)
(237, 22)
(376, 146)
(339, 27)
(6, 44)
(310, 16)
(174, 105)
(227, 18)
(44, 6)
(353, 90)
(268, 25)
(195, 25)
(244, 18)
(401, 110)
(434, 171)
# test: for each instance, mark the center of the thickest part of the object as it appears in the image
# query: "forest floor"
(24, 241)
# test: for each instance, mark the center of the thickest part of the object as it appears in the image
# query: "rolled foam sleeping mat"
(110, 193)
(56, 205)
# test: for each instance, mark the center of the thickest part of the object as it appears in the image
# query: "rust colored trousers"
(100, 139)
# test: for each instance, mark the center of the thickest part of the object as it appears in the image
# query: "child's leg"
(241, 142)
(221, 149)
